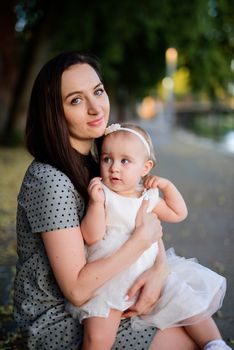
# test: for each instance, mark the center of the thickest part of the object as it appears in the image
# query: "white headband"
(118, 127)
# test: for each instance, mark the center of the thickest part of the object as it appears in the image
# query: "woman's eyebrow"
(80, 92)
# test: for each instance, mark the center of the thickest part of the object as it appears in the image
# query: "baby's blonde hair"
(146, 136)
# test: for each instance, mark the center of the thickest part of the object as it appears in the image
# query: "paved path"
(205, 176)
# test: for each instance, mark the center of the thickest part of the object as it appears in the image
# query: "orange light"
(147, 109)
(171, 55)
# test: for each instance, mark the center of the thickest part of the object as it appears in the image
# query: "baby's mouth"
(115, 179)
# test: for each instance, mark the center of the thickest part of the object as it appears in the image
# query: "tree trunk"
(35, 54)
(9, 50)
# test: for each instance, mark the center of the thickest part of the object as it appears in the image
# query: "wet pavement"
(204, 174)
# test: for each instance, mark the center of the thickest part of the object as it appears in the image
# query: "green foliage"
(10, 337)
(210, 54)
(214, 126)
(131, 37)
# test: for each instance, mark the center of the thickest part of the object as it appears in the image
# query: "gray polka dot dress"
(48, 201)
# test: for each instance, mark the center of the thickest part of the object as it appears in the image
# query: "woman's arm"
(172, 207)
(149, 285)
(77, 280)
(94, 222)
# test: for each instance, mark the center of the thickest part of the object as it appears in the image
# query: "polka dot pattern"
(135, 340)
(48, 201)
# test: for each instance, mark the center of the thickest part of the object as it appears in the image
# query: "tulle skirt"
(191, 293)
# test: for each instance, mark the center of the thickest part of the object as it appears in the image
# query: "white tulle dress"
(192, 292)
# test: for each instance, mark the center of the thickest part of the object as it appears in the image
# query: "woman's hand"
(151, 229)
(148, 286)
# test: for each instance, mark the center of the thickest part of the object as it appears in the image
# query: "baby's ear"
(147, 167)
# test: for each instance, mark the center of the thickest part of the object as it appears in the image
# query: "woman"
(68, 110)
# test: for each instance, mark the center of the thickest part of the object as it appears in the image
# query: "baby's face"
(123, 162)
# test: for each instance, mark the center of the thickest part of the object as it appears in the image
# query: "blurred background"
(169, 66)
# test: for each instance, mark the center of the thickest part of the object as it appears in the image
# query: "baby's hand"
(95, 190)
(153, 181)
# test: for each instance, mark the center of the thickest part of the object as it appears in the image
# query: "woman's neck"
(82, 146)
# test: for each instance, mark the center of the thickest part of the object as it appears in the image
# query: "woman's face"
(86, 105)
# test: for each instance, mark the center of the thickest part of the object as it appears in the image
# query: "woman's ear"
(149, 164)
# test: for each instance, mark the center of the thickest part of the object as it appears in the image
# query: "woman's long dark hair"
(47, 135)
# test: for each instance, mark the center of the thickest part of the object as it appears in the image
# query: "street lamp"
(168, 83)
(171, 60)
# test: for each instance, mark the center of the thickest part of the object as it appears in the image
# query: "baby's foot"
(218, 344)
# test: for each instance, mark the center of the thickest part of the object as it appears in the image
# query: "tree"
(130, 39)
(8, 57)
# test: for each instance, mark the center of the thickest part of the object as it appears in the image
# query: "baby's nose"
(114, 167)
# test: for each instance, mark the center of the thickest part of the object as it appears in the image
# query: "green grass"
(13, 163)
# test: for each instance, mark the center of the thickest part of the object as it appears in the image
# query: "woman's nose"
(93, 107)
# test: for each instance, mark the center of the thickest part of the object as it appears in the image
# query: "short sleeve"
(50, 199)
(154, 199)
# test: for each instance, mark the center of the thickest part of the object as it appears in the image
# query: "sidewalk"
(205, 177)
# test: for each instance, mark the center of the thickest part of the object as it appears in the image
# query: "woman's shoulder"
(43, 172)
(40, 169)
(49, 198)
(43, 179)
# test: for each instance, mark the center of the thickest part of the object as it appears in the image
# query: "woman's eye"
(99, 92)
(124, 161)
(76, 101)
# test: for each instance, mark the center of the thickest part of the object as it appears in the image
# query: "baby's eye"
(106, 159)
(99, 92)
(76, 101)
(124, 161)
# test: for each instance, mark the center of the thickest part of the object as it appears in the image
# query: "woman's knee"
(99, 340)
(173, 338)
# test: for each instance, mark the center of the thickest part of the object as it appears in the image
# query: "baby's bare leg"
(100, 332)
(204, 331)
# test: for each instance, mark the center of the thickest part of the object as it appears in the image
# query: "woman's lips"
(96, 122)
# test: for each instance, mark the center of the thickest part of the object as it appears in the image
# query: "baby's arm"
(93, 223)
(172, 207)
